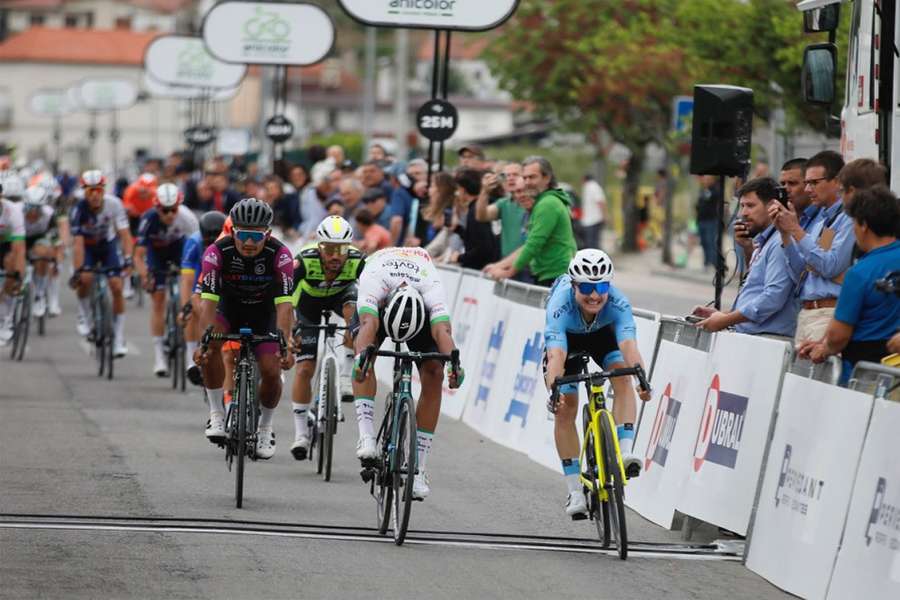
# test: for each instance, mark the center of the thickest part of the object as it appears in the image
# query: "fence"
(738, 433)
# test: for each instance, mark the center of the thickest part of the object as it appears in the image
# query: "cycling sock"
(84, 307)
(365, 416)
(40, 283)
(301, 414)
(6, 305)
(190, 348)
(215, 402)
(53, 290)
(158, 346)
(572, 472)
(119, 327)
(265, 417)
(626, 437)
(423, 443)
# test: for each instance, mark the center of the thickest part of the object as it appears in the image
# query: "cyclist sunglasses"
(332, 249)
(245, 235)
(586, 287)
(168, 210)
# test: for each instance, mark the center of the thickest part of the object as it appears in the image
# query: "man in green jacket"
(550, 241)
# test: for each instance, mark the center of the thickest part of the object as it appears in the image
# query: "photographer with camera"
(764, 305)
(509, 210)
(866, 317)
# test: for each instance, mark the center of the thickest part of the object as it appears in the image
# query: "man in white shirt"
(593, 212)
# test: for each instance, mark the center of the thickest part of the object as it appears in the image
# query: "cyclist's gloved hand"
(455, 379)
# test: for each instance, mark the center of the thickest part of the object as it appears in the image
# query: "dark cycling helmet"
(404, 313)
(251, 212)
(211, 224)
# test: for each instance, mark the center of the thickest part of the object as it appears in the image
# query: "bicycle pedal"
(579, 516)
(368, 475)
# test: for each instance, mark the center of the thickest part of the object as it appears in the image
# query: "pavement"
(78, 445)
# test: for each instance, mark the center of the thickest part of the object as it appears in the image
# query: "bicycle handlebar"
(245, 337)
(372, 351)
(599, 378)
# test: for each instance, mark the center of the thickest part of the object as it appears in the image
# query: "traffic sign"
(279, 129)
(199, 135)
(437, 120)
(682, 112)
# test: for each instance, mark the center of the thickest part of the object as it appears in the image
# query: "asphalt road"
(77, 445)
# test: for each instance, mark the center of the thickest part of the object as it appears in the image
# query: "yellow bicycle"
(602, 470)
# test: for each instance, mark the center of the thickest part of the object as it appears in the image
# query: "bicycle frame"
(597, 410)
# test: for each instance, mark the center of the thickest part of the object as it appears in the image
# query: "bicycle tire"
(385, 495)
(402, 486)
(14, 342)
(109, 341)
(24, 324)
(242, 398)
(599, 510)
(42, 320)
(330, 417)
(615, 486)
(98, 332)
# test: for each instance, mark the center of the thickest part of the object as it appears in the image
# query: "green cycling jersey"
(309, 274)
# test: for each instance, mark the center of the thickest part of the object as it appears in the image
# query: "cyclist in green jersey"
(325, 276)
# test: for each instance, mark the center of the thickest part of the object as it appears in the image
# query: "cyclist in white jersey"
(401, 287)
(12, 261)
(42, 242)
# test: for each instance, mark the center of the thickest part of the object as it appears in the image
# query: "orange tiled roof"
(86, 46)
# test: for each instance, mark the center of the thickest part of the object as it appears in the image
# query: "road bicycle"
(174, 341)
(102, 335)
(42, 295)
(602, 471)
(327, 412)
(390, 475)
(21, 316)
(242, 415)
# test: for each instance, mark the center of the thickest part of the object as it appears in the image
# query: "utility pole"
(401, 106)
(264, 160)
(368, 108)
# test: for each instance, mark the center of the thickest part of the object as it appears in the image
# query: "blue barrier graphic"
(490, 362)
(526, 379)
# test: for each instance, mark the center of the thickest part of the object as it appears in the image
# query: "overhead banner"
(466, 15)
(268, 33)
(157, 89)
(742, 387)
(98, 95)
(665, 440)
(807, 486)
(49, 103)
(184, 60)
(868, 564)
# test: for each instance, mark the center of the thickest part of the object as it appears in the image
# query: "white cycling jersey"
(102, 227)
(41, 225)
(12, 222)
(387, 269)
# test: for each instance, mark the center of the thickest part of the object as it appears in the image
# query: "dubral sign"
(184, 60)
(107, 94)
(268, 33)
(471, 15)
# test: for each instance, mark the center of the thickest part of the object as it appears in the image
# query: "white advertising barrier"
(450, 278)
(473, 15)
(268, 33)
(666, 438)
(541, 441)
(807, 486)
(743, 381)
(107, 94)
(184, 60)
(868, 563)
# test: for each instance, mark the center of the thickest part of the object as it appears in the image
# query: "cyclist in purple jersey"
(247, 282)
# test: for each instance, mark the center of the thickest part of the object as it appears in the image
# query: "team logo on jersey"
(285, 259)
(259, 268)
(212, 258)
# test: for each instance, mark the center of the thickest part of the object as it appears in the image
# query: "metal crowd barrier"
(880, 380)
(522, 293)
(826, 372)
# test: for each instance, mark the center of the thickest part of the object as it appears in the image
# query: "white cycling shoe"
(40, 307)
(161, 367)
(366, 449)
(54, 309)
(576, 506)
(421, 487)
(265, 444)
(120, 348)
(215, 428)
(83, 326)
(632, 464)
(300, 447)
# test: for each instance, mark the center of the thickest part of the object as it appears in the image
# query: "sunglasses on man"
(586, 287)
(248, 235)
(167, 210)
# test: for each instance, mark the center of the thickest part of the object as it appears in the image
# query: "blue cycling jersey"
(564, 317)
(191, 255)
(166, 240)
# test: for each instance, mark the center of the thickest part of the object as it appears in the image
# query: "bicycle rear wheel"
(23, 325)
(404, 464)
(384, 494)
(242, 398)
(98, 333)
(615, 486)
(108, 337)
(330, 427)
(599, 509)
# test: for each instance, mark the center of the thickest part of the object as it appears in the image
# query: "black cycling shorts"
(234, 316)
(601, 345)
(309, 312)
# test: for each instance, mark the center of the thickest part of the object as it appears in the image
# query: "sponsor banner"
(268, 33)
(451, 278)
(807, 486)
(486, 352)
(107, 94)
(868, 563)
(473, 15)
(184, 60)
(471, 297)
(742, 386)
(666, 437)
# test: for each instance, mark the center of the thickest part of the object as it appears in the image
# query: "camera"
(889, 284)
(781, 194)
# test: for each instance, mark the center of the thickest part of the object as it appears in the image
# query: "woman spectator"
(440, 203)
(480, 245)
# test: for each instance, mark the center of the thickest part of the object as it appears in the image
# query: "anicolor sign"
(719, 437)
(268, 33)
(473, 15)
(183, 60)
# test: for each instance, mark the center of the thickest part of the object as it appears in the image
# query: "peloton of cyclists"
(43, 246)
(100, 237)
(12, 261)
(585, 313)
(325, 276)
(161, 237)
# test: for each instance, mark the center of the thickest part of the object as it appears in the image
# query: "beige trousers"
(812, 323)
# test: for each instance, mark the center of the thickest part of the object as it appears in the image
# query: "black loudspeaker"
(721, 131)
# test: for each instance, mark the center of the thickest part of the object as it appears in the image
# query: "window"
(36, 19)
(71, 21)
(123, 22)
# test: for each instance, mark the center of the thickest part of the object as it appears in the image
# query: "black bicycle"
(391, 474)
(174, 341)
(242, 416)
(102, 336)
(21, 315)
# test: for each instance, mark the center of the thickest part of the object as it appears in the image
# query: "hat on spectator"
(472, 148)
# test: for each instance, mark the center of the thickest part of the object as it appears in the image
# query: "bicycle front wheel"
(599, 509)
(383, 490)
(108, 337)
(615, 485)
(330, 425)
(404, 464)
(242, 398)
(24, 324)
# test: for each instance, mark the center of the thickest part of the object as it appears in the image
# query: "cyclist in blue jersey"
(211, 224)
(586, 314)
(161, 235)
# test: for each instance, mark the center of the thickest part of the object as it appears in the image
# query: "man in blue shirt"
(819, 258)
(764, 304)
(791, 179)
(865, 317)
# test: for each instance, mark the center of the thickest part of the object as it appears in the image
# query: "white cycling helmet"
(404, 313)
(36, 196)
(93, 178)
(13, 188)
(168, 195)
(334, 230)
(591, 266)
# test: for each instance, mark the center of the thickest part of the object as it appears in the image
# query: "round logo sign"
(279, 129)
(199, 135)
(437, 120)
